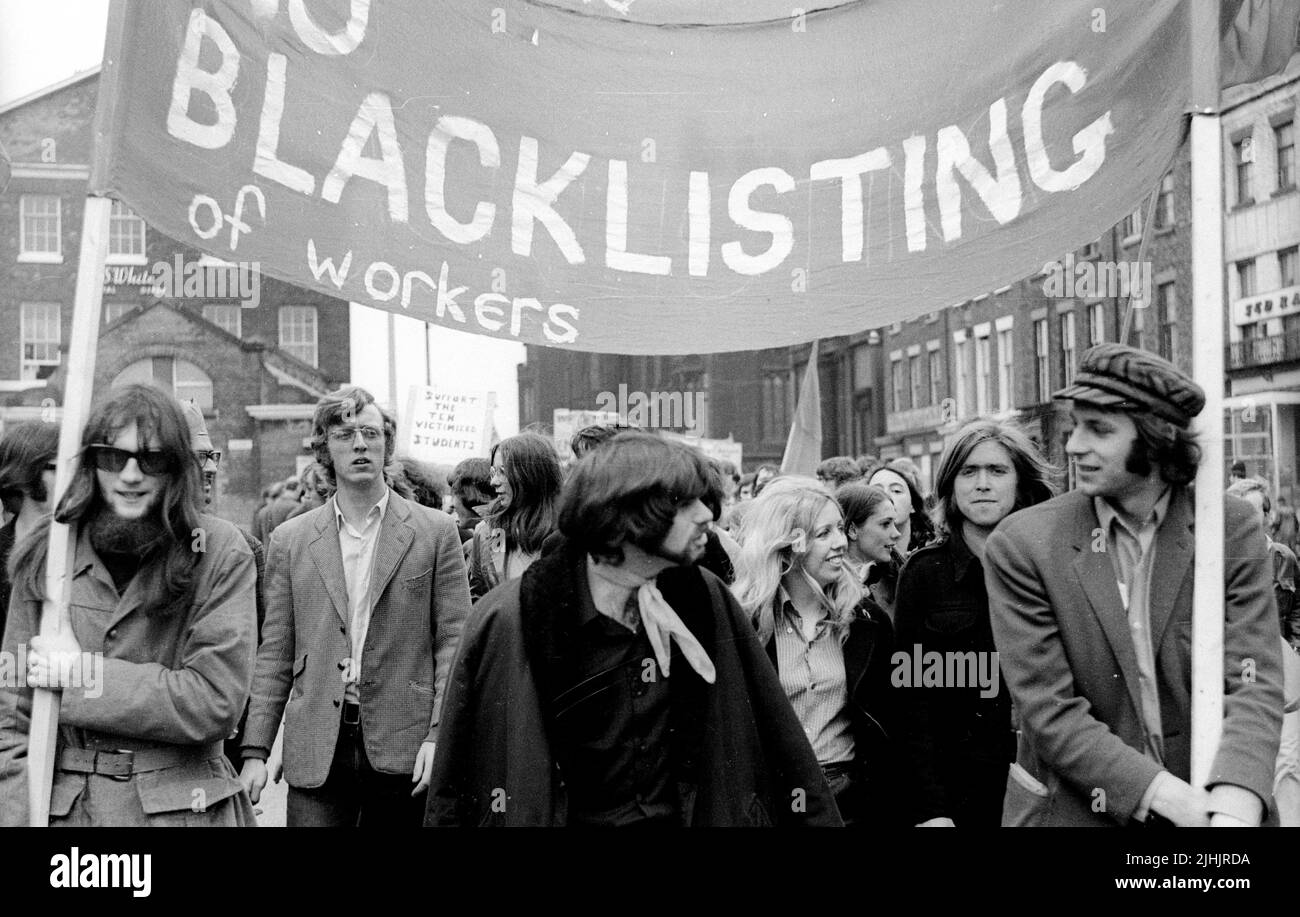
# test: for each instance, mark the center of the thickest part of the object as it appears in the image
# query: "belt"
(122, 765)
(351, 714)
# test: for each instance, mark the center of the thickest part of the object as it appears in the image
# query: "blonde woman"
(830, 643)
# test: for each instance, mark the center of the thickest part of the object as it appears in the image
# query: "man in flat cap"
(1090, 596)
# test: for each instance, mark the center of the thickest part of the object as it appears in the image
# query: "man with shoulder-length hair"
(1090, 596)
(614, 684)
(365, 599)
(959, 736)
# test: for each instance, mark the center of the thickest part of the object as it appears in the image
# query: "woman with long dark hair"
(527, 477)
(830, 643)
(156, 664)
(959, 736)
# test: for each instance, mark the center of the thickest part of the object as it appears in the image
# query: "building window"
(935, 358)
(1288, 265)
(1166, 316)
(1284, 135)
(896, 374)
(1165, 203)
(115, 310)
(983, 374)
(1096, 324)
(1131, 228)
(125, 236)
(1042, 361)
(776, 405)
(1068, 349)
(228, 318)
(1243, 154)
(41, 335)
(298, 332)
(1091, 250)
(914, 372)
(1006, 378)
(1246, 277)
(184, 380)
(40, 224)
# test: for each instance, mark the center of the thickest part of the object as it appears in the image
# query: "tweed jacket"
(1066, 652)
(421, 598)
(176, 682)
(738, 752)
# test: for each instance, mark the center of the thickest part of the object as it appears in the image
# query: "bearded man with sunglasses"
(155, 667)
(365, 600)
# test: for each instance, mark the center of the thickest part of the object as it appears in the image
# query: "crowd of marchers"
(647, 638)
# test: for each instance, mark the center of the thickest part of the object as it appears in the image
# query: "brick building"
(255, 372)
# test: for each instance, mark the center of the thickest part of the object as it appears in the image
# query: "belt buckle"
(351, 714)
(106, 766)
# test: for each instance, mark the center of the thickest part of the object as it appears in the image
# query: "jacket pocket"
(421, 689)
(1027, 801)
(65, 792)
(184, 796)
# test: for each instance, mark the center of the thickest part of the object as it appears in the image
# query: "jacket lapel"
(395, 537)
(1096, 577)
(1173, 562)
(857, 651)
(328, 557)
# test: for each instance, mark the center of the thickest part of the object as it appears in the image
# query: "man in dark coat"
(614, 684)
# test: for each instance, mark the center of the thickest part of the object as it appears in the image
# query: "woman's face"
(893, 484)
(498, 478)
(877, 534)
(824, 559)
(129, 492)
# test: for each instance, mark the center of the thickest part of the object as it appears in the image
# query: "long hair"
(768, 537)
(342, 406)
(26, 449)
(922, 528)
(166, 575)
(1166, 446)
(1035, 478)
(629, 490)
(533, 471)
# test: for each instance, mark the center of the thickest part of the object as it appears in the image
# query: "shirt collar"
(381, 507)
(1107, 513)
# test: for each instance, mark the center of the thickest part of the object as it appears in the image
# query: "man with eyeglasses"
(365, 597)
(209, 459)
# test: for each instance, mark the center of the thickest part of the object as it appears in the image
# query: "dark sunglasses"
(113, 459)
(208, 455)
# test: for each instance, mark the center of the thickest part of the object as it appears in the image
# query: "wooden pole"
(1207, 366)
(42, 739)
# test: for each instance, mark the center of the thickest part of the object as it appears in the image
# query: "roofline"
(54, 87)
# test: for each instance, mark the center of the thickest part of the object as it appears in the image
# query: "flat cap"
(1125, 378)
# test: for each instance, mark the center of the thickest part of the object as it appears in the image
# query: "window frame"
(287, 346)
(28, 255)
(116, 219)
(24, 362)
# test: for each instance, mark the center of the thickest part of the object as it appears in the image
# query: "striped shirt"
(812, 674)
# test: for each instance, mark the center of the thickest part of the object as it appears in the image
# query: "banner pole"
(42, 740)
(1207, 366)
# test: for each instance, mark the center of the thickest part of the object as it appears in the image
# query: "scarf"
(660, 620)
